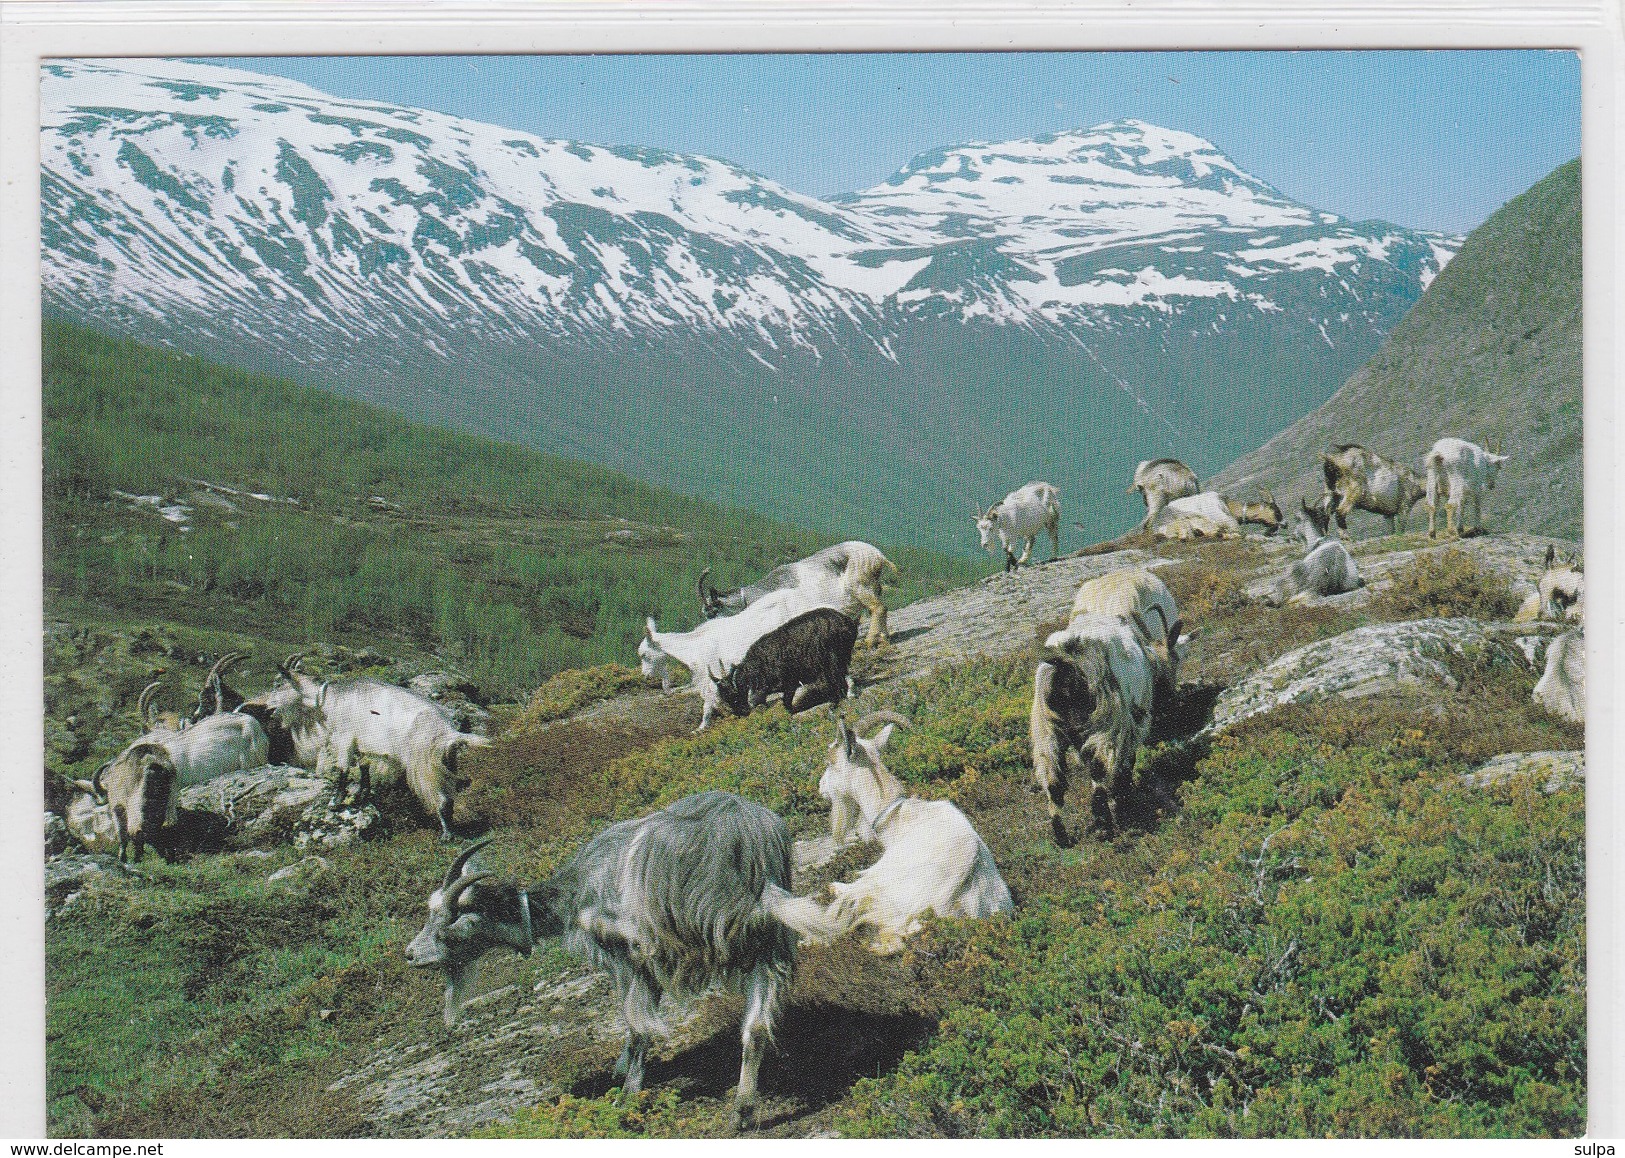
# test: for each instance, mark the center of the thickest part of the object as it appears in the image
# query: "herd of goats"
(698, 893)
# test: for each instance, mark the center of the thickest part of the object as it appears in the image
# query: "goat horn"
(98, 792)
(463, 857)
(224, 663)
(144, 701)
(462, 886)
(290, 665)
(1145, 628)
(874, 718)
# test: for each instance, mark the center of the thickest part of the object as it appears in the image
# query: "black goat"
(813, 648)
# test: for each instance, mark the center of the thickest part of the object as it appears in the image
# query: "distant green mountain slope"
(507, 563)
(1491, 351)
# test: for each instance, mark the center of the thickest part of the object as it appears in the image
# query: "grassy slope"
(506, 564)
(1332, 936)
(1492, 351)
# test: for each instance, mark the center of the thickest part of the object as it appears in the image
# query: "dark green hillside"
(1492, 351)
(507, 563)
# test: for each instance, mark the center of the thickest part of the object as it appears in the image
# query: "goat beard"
(459, 981)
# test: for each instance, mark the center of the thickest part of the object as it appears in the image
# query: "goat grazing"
(1463, 472)
(1358, 479)
(1159, 481)
(813, 648)
(716, 645)
(1562, 687)
(1327, 568)
(343, 724)
(848, 576)
(1021, 515)
(138, 787)
(1092, 693)
(1136, 596)
(669, 903)
(934, 862)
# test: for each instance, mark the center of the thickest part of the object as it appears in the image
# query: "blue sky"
(1429, 139)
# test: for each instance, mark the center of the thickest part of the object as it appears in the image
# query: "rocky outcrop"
(1556, 771)
(1367, 661)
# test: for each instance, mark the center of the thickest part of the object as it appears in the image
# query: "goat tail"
(802, 914)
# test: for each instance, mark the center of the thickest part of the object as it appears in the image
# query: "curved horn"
(1145, 628)
(874, 718)
(224, 663)
(144, 701)
(290, 665)
(462, 860)
(462, 886)
(97, 791)
(705, 599)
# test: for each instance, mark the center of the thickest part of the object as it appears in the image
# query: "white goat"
(1159, 481)
(848, 577)
(338, 725)
(1093, 694)
(1562, 688)
(1021, 515)
(1211, 514)
(716, 646)
(1327, 569)
(1463, 472)
(934, 862)
(1143, 599)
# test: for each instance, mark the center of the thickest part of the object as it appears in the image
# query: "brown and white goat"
(1363, 480)
(1159, 481)
(1143, 599)
(1560, 593)
(137, 786)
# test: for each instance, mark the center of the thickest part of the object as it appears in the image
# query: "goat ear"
(1175, 632)
(649, 629)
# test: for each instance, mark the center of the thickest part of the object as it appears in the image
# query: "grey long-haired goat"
(1328, 568)
(849, 576)
(669, 903)
(814, 648)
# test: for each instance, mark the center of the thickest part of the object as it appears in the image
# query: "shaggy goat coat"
(667, 903)
(1562, 687)
(814, 648)
(848, 576)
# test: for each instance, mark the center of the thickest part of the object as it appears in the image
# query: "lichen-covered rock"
(91, 824)
(57, 837)
(321, 825)
(259, 806)
(299, 874)
(1555, 770)
(67, 875)
(456, 695)
(1364, 662)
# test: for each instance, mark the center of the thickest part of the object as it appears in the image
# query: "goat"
(813, 648)
(669, 903)
(1358, 479)
(717, 645)
(848, 576)
(215, 696)
(90, 822)
(1092, 693)
(1562, 687)
(1136, 595)
(934, 862)
(1225, 514)
(138, 787)
(1160, 480)
(1464, 472)
(337, 725)
(1022, 514)
(1327, 568)
(1560, 592)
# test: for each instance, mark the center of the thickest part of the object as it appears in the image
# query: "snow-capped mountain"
(546, 290)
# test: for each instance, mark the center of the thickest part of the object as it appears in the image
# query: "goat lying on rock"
(1160, 481)
(934, 862)
(1562, 687)
(669, 903)
(1328, 568)
(1560, 592)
